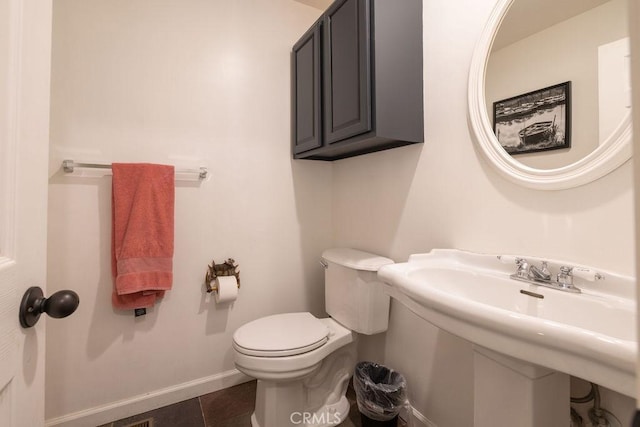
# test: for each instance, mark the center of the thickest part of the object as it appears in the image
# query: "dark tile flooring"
(231, 407)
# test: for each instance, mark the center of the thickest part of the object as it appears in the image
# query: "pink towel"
(142, 237)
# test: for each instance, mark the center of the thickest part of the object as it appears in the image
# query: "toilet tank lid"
(353, 258)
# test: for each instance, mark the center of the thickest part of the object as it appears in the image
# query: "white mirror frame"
(612, 153)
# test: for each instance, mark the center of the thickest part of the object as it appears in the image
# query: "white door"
(25, 50)
(634, 30)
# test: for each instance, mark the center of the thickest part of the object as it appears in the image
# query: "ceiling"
(524, 18)
(527, 17)
(318, 4)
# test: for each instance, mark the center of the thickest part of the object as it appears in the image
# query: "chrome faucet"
(531, 272)
(541, 273)
(542, 276)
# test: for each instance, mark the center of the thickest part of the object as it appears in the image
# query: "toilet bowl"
(301, 376)
(303, 363)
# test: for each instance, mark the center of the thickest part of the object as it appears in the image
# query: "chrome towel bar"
(69, 165)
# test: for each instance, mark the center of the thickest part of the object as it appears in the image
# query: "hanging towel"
(142, 233)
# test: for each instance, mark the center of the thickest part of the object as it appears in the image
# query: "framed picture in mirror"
(535, 121)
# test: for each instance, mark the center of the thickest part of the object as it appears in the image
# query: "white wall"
(443, 194)
(186, 83)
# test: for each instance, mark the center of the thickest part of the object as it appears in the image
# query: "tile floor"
(231, 407)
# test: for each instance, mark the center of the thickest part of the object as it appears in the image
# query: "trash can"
(380, 393)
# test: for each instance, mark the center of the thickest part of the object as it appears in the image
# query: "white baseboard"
(149, 401)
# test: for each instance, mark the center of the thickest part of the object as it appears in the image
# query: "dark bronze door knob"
(59, 305)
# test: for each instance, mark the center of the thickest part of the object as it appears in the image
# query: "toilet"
(303, 363)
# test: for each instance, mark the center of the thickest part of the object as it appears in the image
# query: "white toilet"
(303, 364)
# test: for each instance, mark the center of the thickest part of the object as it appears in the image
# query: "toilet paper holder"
(228, 268)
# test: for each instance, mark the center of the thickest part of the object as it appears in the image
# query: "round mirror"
(549, 91)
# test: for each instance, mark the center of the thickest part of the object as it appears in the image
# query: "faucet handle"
(587, 274)
(521, 263)
(581, 272)
(523, 268)
(511, 259)
(565, 276)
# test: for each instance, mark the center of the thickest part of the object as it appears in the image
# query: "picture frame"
(534, 121)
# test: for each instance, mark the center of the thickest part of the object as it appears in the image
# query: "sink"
(590, 335)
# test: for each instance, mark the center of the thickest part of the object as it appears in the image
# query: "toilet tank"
(353, 293)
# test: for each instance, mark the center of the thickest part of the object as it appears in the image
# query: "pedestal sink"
(590, 335)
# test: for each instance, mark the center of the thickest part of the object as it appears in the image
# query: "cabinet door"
(347, 70)
(306, 91)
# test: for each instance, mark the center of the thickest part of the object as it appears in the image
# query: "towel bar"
(69, 165)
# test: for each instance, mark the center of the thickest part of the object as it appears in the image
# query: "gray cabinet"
(357, 80)
(306, 115)
(346, 66)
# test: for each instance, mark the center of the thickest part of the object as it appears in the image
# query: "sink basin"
(590, 335)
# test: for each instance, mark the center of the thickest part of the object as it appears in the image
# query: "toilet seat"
(281, 335)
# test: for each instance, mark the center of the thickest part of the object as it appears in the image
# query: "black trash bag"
(380, 392)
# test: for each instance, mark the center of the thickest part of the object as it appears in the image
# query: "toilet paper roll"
(227, 289)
